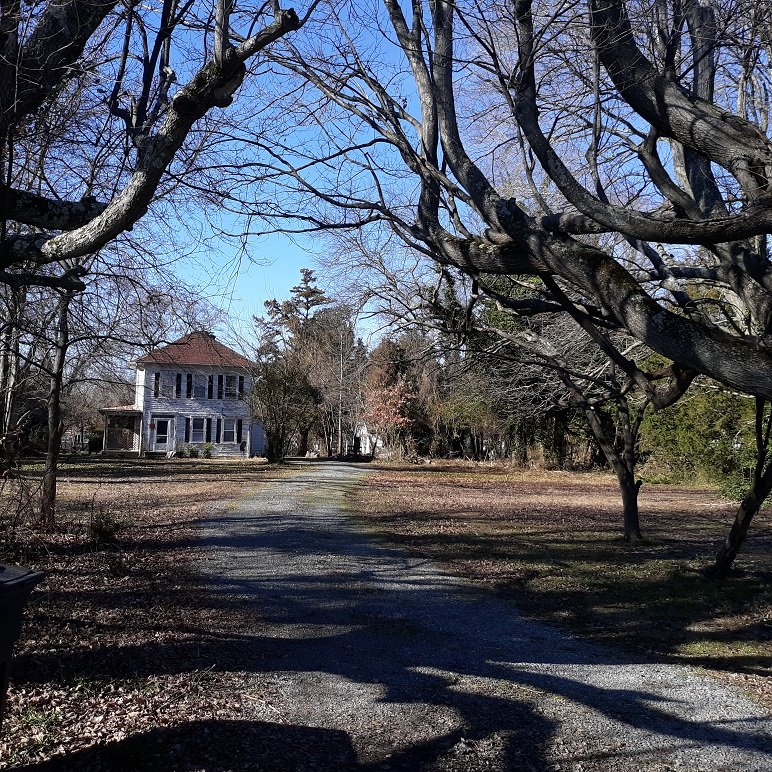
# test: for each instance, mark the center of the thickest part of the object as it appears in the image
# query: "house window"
(229, 430)
(168, 382)
(198, 427)
(201, 384)
(231, 386)
(188, 385)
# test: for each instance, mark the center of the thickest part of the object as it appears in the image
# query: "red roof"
(197, 348)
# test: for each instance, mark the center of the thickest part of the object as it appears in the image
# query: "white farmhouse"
(189, 394)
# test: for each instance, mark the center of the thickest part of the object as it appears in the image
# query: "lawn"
(552, 542)
(124, 640)
(121, 635)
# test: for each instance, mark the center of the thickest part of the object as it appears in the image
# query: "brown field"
(552, 542)
(122, 632)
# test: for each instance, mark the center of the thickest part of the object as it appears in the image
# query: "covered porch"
(122, 431)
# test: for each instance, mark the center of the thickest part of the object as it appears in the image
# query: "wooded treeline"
(424, 394)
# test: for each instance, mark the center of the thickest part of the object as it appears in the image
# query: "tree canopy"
(616, 150)
(102, 108)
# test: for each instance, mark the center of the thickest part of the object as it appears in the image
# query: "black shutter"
(241, 387)
(210, 388)
(156, 384)
(238, 430)
(219, 387)
(189, 386)
(218, 435)
(178, 386)
(208, 437)
(187, 430)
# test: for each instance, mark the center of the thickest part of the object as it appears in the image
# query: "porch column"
(141, 435)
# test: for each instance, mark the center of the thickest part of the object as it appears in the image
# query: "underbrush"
(733, 485)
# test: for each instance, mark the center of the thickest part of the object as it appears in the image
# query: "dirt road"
(372, 659)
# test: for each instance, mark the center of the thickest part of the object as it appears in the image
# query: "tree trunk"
(749, 506)
(624, 468)
(55, 425)
(761, 486)
(303, 441)
(340, 396)
(274, 447)
(556, 440)
(629, 487)
(9, 380)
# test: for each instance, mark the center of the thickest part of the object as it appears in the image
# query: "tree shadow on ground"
(213, 745)
(380, 646)
(560, 565)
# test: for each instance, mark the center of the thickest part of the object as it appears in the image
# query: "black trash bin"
(16, 584)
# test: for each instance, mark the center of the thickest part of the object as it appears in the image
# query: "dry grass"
(122, 639)
(128, 661)
(551, 540)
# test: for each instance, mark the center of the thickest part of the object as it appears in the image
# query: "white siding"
(140, 385)
(191, 407)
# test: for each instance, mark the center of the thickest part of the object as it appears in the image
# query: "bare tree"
(105, 111)
(103, 106)
(565, 364)
(647, 169)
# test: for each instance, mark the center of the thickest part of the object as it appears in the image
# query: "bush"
(708, 437)
(735, 487)
(192, 451)
(104, 526)
(95, 442)
(206, 451)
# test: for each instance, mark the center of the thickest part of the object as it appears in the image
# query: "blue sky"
(240, 281)
(241, 286)
(270, 271)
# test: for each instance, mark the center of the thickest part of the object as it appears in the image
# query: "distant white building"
(366, 443)
(190, 393)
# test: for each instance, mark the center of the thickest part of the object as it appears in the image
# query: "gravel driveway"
(378, 660)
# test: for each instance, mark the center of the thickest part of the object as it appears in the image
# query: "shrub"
(708, 437)
(206, 451)
(104, 526)
(192, 451)
(95, 442)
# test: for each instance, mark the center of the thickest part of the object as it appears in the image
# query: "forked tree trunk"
(623, 465)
